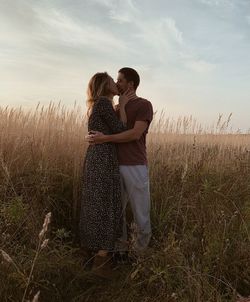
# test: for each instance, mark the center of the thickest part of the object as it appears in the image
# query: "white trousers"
(135, 189)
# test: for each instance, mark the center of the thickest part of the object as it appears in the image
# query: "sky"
(193, 56)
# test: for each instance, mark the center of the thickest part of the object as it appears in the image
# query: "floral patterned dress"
(101, 209)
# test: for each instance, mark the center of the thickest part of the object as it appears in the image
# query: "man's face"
(122, 83)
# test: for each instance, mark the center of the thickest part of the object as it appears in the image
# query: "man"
(132, 157)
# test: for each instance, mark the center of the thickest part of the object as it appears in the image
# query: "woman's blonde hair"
(99, 85)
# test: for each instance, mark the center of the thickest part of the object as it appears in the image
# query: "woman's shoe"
(102, 266)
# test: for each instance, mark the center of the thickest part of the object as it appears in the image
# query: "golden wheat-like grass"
(199, 178)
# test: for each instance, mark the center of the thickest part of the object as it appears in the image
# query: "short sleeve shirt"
(134, 152)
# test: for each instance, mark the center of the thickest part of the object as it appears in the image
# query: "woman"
(101, 209)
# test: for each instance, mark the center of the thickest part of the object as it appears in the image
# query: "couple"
(115, 168)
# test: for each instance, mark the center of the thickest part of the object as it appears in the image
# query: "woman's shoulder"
(102, 99)
(102, 103)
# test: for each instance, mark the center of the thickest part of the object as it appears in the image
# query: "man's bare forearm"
(123, 137)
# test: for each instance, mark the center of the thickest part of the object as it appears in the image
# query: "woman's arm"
(123, 115)
(123, 100)
(105, 109)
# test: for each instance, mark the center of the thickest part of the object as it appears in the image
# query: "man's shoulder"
(143, 101)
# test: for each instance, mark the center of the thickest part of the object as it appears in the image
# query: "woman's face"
(112, 86)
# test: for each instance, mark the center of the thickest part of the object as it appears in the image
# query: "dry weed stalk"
(36, 297)
(9, 260)
(42, 243)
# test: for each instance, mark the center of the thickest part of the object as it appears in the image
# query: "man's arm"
(123, 137)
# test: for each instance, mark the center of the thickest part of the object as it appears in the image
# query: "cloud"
(200, 66)
(163, 40)
(248, 19)
(16, 23)
(35, 27)
(173, 30)
(159, 37)
(106, 3)
(123, 11)
(217, 2)
(161, 31)
(69, 32)
(162, 36)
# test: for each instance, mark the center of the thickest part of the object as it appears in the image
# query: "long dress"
(101, 208)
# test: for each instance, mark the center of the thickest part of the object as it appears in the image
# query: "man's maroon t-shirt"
(134, 152)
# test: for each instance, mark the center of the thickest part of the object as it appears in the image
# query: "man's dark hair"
(131, 75)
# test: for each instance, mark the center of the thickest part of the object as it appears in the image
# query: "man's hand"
(95, 137)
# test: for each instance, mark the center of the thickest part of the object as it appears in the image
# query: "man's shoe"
(143, 253)
(121, 258)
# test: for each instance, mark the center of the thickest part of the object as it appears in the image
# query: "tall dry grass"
(200, 188)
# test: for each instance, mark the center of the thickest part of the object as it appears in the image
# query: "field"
(200, 190)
